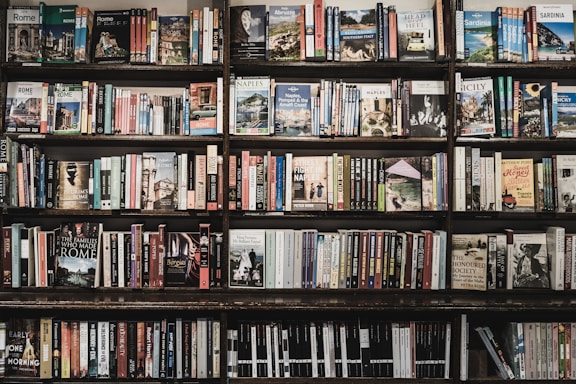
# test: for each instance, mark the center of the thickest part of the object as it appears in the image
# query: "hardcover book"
(555, 23)
(173, 42)
(246, 258)
(566, 111)
(529, 262)
(67, 108)
(203, 109)
(78, 256)
(566, 182)
(57, 24)
(23, 106)
(23, 34)
(111, 36)
(427, 108)
(416, 39)
(252, 95)
(248, 32)
(159, 181)
(182, 259)
(22, 348)
(469, 261)
(403, 184)
(480, 36)
(309, 183)
(284, 32)
(376, 109)
(517, 185)
(475, 107)
(358, 35)
(292, 110)
(72, 187)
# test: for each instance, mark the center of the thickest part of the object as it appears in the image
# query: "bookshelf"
(233, 308)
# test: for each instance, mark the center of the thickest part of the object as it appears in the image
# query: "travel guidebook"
(248, 32)
(252, 106)
(555, 24)
(566, 111)
(22, 34)
(246, 258)
(111, 36)
(376, 109)
(475, 107)
(284, 32)
(23, 106)
(78, 254)
(358, 35)
(416, 39)
(292, 111)
(67, 108)
(57, 24)
(174, 40)
(480, 36)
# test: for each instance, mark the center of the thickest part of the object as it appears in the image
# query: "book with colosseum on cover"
(475, 106)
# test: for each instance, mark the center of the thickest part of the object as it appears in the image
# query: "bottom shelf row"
(179, 348)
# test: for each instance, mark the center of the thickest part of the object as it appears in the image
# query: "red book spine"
(204, 256)
(428, 240)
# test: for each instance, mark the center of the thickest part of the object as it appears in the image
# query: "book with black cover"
(111, 36)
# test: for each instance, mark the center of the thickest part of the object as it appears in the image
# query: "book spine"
(205, 256)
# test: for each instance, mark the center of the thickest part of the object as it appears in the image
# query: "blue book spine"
(108, 96)
(329, 33)
(500, 42)
(42, 181)
(336, 36)
(279, 183)
(97, 184)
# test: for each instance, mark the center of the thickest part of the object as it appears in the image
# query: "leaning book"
(555, 23)
(22, 34)
(73, 182)
(416, 39)
(23, 348)
(252, 106)
(246, 258)
(469, 261)
(23, 106)
(78, 254)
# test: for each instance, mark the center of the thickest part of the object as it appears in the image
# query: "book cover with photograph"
(529, 120)
(376, 109)
(427, 108)
(469, 261)
(292, 110)
(57, 25)
(159, 181)
(246, 258)
(252, 106)
(173, 44)
(284, 32)
(111, 36)
(23, 34)
(203, 108)
(22, 342)
(480, 36)
(475, 107)
(416, 39)
(182, 260)
(517, 185)
(248, 32)
(555, 23)
(566, 182)
(529, 262)
(309, 183)
(566, 111)
(358, 35)
(23, 106)
(72, 187)
(403, 183)
(67, 108)
(78, 254)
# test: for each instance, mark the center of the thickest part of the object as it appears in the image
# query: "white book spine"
(288, 257)
(280, 249)
(103, 349)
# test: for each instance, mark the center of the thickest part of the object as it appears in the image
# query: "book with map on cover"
(284, 32)
(23, 106)
(309, 183)
(292, 110)
(23, 34)
(173, 39)
(248, 32)
(111, 36)
(246, 258)
(358, 35)
(78, 254)
(416, 38)
(469, 261)
(376, 109)
(403, 183)
(22, 348)
(555, 23)
(72, 188)
(252, 95)
(517, 185)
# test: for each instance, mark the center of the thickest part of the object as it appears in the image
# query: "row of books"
(506, 107)
(143, 181)
(76, 34)
(337, 182)
(513, 259)
(532, 350)
(334, 348)
(399, 107)
(51, 348)
(90, 107)
(541, 32)
(346, 258)
(319, 32)
(83, 254)
(488, 182)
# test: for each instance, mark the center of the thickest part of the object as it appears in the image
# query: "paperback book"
(529, 261)
(566, 111)
(111, 36)
(376, 109)
(248, 32)
(309, 183)
(23, 34)
(403, 184)
(428, 108)
(566, 182)
(159, 183)
(78, 254)
(416, 40)
(292, 110)
(203, 108)
(475, 107)
(23, 106)
(529, 120)
(22, 341)
(182, 259)
(555, 23)
(252, 98)
(247, 258)
(73, 182)
(57, 24)
(358, 35)
(173, 40)
(480, 36)
(284, 32)
(67, 108)
(517, 185)
(469, 261)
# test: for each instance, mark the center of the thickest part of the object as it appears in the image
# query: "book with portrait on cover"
(309, 183)
(246, 258)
